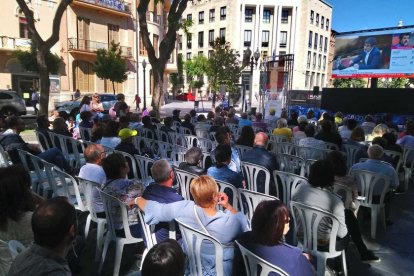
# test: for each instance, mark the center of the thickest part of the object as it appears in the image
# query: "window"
(315, 42)
(323, 80)
(324, 63)
(223, 33)
(113, 33)
(320, 43)
(210, 53)
(189, 41)
(180, 42)
(188, 56)
(312, 14)
(325, 46)
(314, 61)
(285, 16)
(327, 24)
(281, 53)
(142, 49)
(155, 39)
(310, 39)
(266, 16)
(200, 53)
(248, 15)
(247, 38)
(223, 13)
(210, 36)
(308, 61)
(323, 22)
(23, 29)
(283, 39)
(319, 61)
(83, 76)
(307, 75)
(317, 79)
(201, 17)
(317, 19)
(265, 38)
(212, 15)
(83, 33)
(200, 39)
(189, 17)
(312, 79)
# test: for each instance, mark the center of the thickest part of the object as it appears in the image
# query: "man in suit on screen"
(369, 58)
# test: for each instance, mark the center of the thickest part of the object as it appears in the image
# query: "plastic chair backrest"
(202, 132)
(4, 157)
(43, 141)
(351, 154)
(144, 165)
(408, 157)
(331, 146)
(208, 160)
(132, 163)
(289, 182)
(185, 131)
(367, 182)
(396, 157)
(308, 164)
(205, 144)
(248, 201)
(285, 148)
(15, 248)
(242, 149)
(193, 242)
(312, 153)
(252, 262)
(163, 136)
(162, 149)
(87, 188)
(70, 191)
(292, 164)
(177, 139)
(191, 141)
(308, 219)
(231, 191)
(345, 192)
(251, 173)
(184, 179)
(85, 133)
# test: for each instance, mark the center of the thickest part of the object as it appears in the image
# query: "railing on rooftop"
(93, 46)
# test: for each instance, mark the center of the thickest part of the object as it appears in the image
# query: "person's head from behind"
(94, 153)
(193, 156)
(369, 118)
(120, 97)
(390, 138)
(310, 114)
(15, 123)
(337, 159)
(244, 116)
(369, 43)
(111, 129)
(204, 190)
(15, 194)
(310, 130)
(375, 152)
(223, 155)
(115, 166)
(146, 121)
(326, 126)
(210, 115)
(162, 172)
(246, 137)
(223, 136)
(270, 222)
(259, 117)
(379, 130)
(201, 118)
(54, 223)
(281, 123)
(187, 118)
(358, 134)
(164, 259)
(260, 139)
(193, 113)
(404, 39)
(321, 174)
(219, 121)
(85, 100)
(59, 124)
(43, 122)
(97, 131)
(272, 112)
(351, 124)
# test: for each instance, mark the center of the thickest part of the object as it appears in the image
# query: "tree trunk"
(158, 94)
(113, 87)
(44, 81)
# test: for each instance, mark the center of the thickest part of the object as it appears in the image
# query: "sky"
(352, 15)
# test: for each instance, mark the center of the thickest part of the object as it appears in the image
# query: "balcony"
(11, 43)
(90, 47)
(117, 7)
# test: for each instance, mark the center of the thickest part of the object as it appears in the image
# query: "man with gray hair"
(162, 191)
(374, 164)
(192, 161)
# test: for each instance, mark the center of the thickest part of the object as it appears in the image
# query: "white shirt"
(367, 56)
(35, 96)
(94, 173)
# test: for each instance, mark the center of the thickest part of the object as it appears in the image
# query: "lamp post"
(253, 63)
(144, 65)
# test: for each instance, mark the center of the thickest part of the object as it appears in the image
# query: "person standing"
(137, 101)
(35, 100)
(77, 94)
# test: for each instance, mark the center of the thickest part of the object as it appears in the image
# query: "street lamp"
(144, 65)
(253, 63)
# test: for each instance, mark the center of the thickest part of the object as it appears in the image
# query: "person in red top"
(137, 100)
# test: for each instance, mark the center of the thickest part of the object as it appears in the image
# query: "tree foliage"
(195, 69)
(349, 83)
(224, 66)
(28, 60)
(394, 83)
(109, 64)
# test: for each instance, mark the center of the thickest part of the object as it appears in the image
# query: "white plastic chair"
(226, 188)
(344, 192)
(208, 160)
(112, 206)
(285, 148)
(144, 164)
(205, 144)
(367, 182)
(308, 164)
(70, 188)
(88, 188)
(251, 172)
(248, 201)
(351, 154)
(331, 146)
(43, 141)
(193, 241)
(312, 153)
(184, 130)
(191, 141)
(36, 172)
(85, 133)
(202, 132)
(408, 164)
(292, 164)
(242, 149)
(308, 219)
(289, 183)
(184, 179)
(132, 163)
(162, 149)
(252, 262)
(15, 248)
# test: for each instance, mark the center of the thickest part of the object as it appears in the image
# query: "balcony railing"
(12, 43)
(93, 46)
(118, 5)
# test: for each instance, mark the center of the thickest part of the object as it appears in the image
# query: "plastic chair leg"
(321, 266)
(118, 257)
(374, 217)
(99, 239)
(87, 225)
(344, 268)
(105, 249)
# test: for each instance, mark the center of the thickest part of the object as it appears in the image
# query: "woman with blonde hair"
(202, 214)
(378, 131)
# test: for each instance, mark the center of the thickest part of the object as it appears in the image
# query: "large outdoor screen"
(374, 54)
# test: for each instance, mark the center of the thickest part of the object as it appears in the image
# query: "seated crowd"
(48, 227)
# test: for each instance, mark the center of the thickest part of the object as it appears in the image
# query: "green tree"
(43, 47)
(166, 46)
(349, 83)
(177, 79)
(28, 60)
(223, 67)
(394, 83)
(195, 69)
(109, 64)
